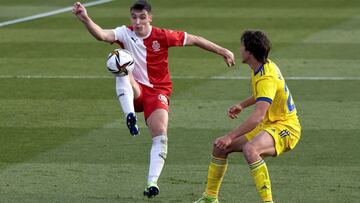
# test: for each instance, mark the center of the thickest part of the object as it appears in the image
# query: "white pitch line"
(174, 77)
(50, 13)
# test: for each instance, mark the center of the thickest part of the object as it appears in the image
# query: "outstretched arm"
(95, 30)
(193, 40)
(255, 118)
(237, 108)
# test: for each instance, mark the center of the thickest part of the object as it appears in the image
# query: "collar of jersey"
(147, 34)
(258, 70)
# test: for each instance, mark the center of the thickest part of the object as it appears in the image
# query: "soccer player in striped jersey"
(270, 130)
(148, 88)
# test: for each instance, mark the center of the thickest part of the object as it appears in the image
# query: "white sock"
(125, 94)
(157, 157)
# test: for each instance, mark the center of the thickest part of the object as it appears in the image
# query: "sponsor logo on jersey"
(156, 45)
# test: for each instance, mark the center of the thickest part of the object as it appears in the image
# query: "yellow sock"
(217, 169)
(261, 177)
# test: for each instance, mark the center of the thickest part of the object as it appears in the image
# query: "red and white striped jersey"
(151, 54)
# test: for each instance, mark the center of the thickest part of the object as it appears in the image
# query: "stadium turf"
(63, 137)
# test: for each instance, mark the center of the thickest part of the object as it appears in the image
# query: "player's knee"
(157, 128)
(249, 150)
(158, 131)
(157, 125)
(219, 152)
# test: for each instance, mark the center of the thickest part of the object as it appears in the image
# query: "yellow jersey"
(269, 85)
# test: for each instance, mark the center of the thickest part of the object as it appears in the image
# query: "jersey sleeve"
(266, 89)
(120, 33)
(175, 38)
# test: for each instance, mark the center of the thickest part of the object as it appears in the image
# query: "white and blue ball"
(120, 62)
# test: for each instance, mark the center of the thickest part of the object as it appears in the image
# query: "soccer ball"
(120, 62)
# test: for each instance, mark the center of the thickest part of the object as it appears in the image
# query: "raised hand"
(80, 11)
(234, 111)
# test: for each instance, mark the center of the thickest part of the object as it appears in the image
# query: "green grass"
(64, 140)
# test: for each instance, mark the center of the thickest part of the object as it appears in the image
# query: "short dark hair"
(141, 5)
(257, 43)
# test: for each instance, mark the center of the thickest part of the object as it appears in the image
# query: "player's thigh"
(139, 99)
(263, 143)
(153, 100)
(235, 146)
(157, 122)
(156, 107)
(135, 86)
(238, 144)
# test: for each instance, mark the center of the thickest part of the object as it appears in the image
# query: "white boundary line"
(41, 15)
(174, 77)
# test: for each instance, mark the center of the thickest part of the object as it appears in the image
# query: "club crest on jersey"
(163, 99)
(156, 45)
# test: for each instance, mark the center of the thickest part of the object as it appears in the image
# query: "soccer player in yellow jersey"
(270, 130)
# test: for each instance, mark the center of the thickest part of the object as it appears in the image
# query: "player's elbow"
(104, 35)
(257, 119)
(104, 38)
(193, 40)
(99, 38)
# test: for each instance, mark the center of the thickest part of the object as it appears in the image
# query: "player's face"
(244, 54)
(141, 21)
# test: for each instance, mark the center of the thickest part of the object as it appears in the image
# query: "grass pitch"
(62, 136)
